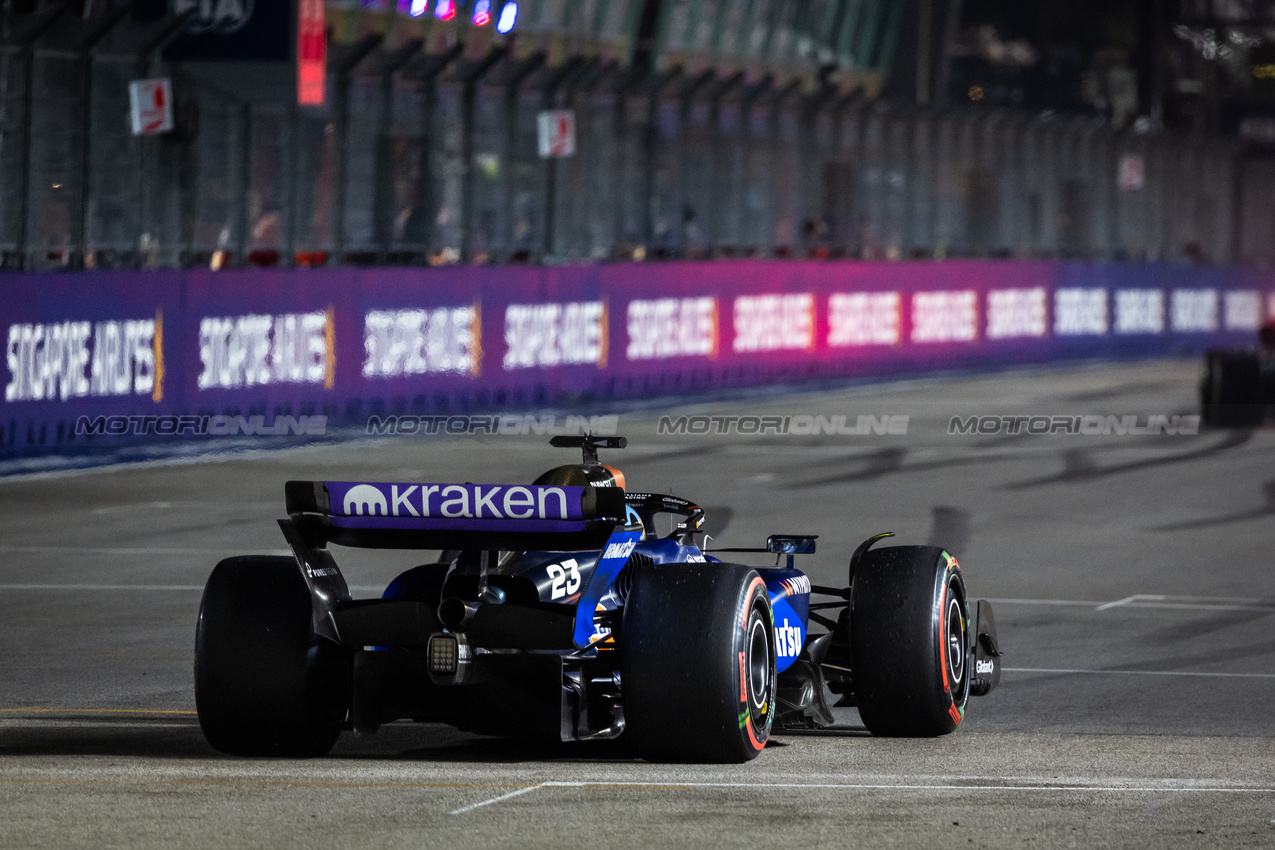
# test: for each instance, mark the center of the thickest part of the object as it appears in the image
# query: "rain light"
(445, 10)
(482, 13)
(508, 16)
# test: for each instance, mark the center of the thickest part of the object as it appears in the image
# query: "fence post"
(469, 98)
(28, 40)
(513, 85)
(383, 225)
(430, 68)
(556, 79)
(146, 64)
(245, 182)
(85, 49)
(713, 232)
(650, 146)
(343, 67)
(687, 99)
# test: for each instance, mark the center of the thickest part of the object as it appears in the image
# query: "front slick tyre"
(697, 663)
(910, 642)
(265, 684)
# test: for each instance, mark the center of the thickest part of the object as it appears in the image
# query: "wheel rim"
(758, 667)
(956, 639)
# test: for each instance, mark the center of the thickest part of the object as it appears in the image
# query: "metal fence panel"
(55, 180)
(408, 168)
(12, 133)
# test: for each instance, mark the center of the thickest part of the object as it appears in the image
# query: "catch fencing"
(423, 162)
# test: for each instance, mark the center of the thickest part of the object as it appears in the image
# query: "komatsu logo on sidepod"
(365, 499)
(787, 640)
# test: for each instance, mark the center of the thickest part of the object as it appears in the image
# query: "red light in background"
(482, 13)
(445, 10)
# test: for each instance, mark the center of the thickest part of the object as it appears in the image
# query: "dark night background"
(1201, 65)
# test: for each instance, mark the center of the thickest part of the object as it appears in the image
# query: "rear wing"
(454, 516)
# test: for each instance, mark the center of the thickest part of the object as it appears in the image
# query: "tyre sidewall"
(898, 625)
(947, 582)
(755, 613)
(265, 684)
(685, 663)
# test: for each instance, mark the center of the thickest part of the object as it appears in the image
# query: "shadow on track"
(1080, 464)
(181, 739)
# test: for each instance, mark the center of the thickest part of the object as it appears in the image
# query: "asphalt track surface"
(1132, 578)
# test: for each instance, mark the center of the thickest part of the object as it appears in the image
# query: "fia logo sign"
(220, 17)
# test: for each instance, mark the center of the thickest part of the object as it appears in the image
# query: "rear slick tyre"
(1231, 390)
(697, 663)
(265, 684)
(910, 643)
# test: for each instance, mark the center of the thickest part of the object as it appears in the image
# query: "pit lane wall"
(111, 359)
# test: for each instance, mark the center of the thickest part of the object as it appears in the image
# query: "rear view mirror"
(791, 544)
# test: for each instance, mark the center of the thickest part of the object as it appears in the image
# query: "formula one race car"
(1237, 388)
(556, 610)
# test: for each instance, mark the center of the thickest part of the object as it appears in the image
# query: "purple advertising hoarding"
(136, 355)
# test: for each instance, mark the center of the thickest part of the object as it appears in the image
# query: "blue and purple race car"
(555, 609)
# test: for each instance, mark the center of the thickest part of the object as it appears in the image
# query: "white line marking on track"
(190, 588)
(1197, 606)
(1167, 786)
(96, 587)
(1143, 600)
(1076, 602)
(1206, 603)
(517, 793)
(1139, 672)
(879, 786)
(111, 550)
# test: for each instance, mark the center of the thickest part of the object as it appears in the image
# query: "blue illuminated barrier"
(117, 359)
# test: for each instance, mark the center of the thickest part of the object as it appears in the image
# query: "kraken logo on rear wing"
(454, 516)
